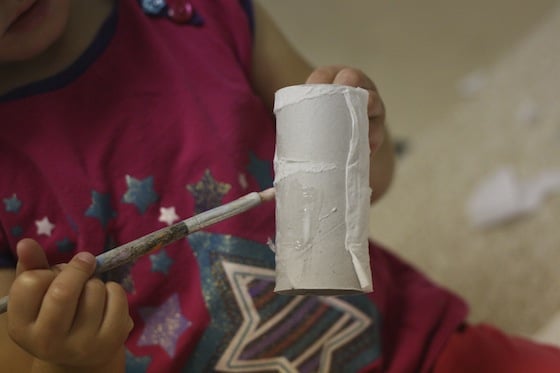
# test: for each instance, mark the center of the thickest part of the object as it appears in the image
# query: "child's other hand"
(62, 316)
(338, 74)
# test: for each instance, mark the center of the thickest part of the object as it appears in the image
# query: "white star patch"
(44, 226)
(168, 215)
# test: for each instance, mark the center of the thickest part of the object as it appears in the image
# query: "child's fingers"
(354, 78)
(26, 296)
(61, 300)
(117, 322)
(30, 256)
(338, 74)
(91, 307)
(343, 75)
(324, 74)
(376, 108)
(376, 113)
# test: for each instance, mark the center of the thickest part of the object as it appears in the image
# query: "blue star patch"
(137, 364)
(100, 208)
(161, 262)
(17, 231)
(261, 170)
(13, 204)
(140, 192)
(65, 245)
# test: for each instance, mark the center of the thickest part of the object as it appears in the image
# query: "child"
(119, 118)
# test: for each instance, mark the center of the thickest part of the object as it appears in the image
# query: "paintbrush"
(153, 241)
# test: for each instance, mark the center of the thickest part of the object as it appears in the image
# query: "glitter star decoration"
(261, 171)
(168, 215)
(44, 226)
(238, 274)
(140, 192)
(208, 193)
(164, 325)
(100, 208)
(13, 204)
(161, 262)
(246, 350)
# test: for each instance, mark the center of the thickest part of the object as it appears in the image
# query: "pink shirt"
(154, 123)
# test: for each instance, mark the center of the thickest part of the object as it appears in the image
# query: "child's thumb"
(30, 256)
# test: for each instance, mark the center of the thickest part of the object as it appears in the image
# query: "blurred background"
(471, 88)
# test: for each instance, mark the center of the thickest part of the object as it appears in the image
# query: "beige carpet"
(418, 52)
(511, 273)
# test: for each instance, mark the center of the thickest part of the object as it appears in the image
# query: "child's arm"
(276, 65)
(64, 320)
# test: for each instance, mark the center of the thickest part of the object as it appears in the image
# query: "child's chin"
(19, 52)
(23, 43)
(19, 48)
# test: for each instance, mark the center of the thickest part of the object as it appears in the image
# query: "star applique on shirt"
(260, 169)
(17, 231)
(137, 363)
(208, 192)
(168, 215)
(44, 226)
(12, 204)
(261, 340)
(65, 245)
(161, 262)
(271, 332)
(100, 208)
(164, 325)
(140, 193)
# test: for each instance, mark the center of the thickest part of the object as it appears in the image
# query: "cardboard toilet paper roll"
(322, 190)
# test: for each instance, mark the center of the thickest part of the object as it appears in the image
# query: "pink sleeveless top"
(155, 122)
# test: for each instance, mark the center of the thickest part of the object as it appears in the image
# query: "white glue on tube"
(322, 190)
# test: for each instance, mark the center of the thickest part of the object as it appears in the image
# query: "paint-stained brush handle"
(153, 241)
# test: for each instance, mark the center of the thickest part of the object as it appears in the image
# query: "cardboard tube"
(322, 190)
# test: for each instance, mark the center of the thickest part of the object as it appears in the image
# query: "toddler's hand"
(338, 74)
(61, 315)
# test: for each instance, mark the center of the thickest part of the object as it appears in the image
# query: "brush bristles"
(267, 194)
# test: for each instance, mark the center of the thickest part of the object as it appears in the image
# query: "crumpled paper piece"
(503, 196)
